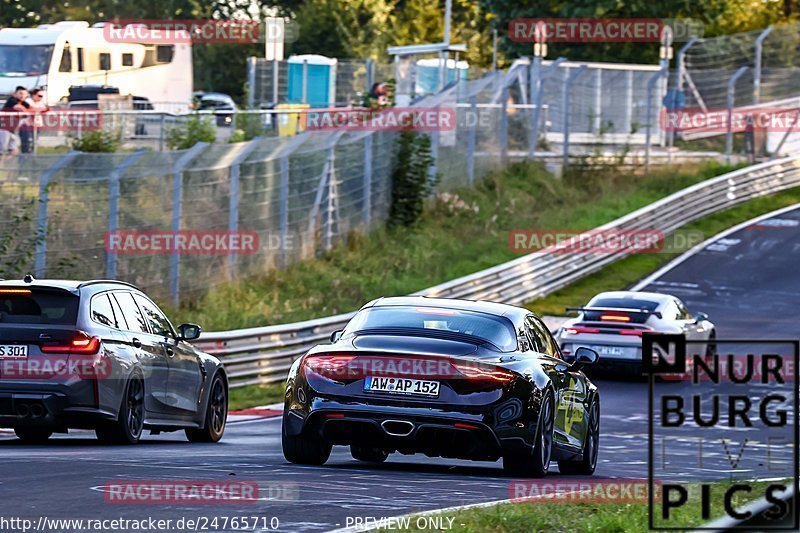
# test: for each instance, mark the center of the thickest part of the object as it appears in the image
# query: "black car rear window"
(23, 306)
(496, 330)
(621, 303)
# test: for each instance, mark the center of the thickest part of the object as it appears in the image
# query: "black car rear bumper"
(54, 405)
(433, 432)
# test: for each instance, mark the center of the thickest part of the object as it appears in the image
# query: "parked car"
(447, 378)
(222, 105)
(101, 355)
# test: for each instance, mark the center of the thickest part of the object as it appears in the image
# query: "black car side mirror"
(699, 317)
(336, 335)
(584, 357)
(188, 332)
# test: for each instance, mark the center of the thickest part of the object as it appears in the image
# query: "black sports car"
(447, 378)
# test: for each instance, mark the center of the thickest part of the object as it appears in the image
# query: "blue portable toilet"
(428, 74)
(321, 86)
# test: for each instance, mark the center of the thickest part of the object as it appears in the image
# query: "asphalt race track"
(748, 284)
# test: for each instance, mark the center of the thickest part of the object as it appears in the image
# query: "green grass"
(255, 395)
(624, 273)
(601, 517)
(458, 234)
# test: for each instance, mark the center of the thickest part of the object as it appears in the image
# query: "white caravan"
(57, 56)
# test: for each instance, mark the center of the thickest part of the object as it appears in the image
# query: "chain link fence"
(298, 194)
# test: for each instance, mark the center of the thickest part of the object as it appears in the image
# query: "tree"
(717, 16)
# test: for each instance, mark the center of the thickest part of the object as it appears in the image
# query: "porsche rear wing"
(613, 310)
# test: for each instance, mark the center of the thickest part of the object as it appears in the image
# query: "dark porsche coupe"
(447, 378)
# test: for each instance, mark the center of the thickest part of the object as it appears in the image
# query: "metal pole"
(113, 210)
(568, 79)
(533, 82)
(665, 55)
(177, 208)
(681, 68)
(366, 213)
(283, 207)
(537, 103)
(330, 193)
(251, 82)
(40, 253)
(276, 71)
(161, 134)
(627, 118)
(757, 64)
(731, 98)
(471, 139)
(504, 126)
(233, 197)
(370, 67)
(598, 101)
(649, 120)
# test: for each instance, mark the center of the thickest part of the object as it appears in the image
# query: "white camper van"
(57, 56)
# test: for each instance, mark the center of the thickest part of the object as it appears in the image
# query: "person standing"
(17, 104)
(10, 123)
(37, 106)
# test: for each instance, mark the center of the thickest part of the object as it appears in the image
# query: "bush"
(197, 128)
(411, 182)
(248, 126)
(102, 141)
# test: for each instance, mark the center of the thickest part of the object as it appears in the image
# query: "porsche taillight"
(484, 372)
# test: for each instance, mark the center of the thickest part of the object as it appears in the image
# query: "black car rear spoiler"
(613, 309)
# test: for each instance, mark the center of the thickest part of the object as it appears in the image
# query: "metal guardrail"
(263, 355)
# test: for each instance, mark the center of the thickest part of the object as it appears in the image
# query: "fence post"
(276, 77)
(651, 83)
(504, 126)
(325, 187)
(331, 191)
(680, 62)
(537, 102)
(161, 132)
(177, 208)
(283, 206)
(533, 88)
(757, 64)
(251, 82)
(434, 168)
(568, 79)
(233, 197)
(598, 102)
(731, 94)
(366, 207)
(472, 133)
(627, 120)
(40, 254)
(113, 209)
(370, 66)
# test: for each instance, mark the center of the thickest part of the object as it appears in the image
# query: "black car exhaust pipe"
(22, 410)
(37, 410)
(397, 428)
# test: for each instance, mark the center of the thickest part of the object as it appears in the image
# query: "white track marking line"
(685, 256)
